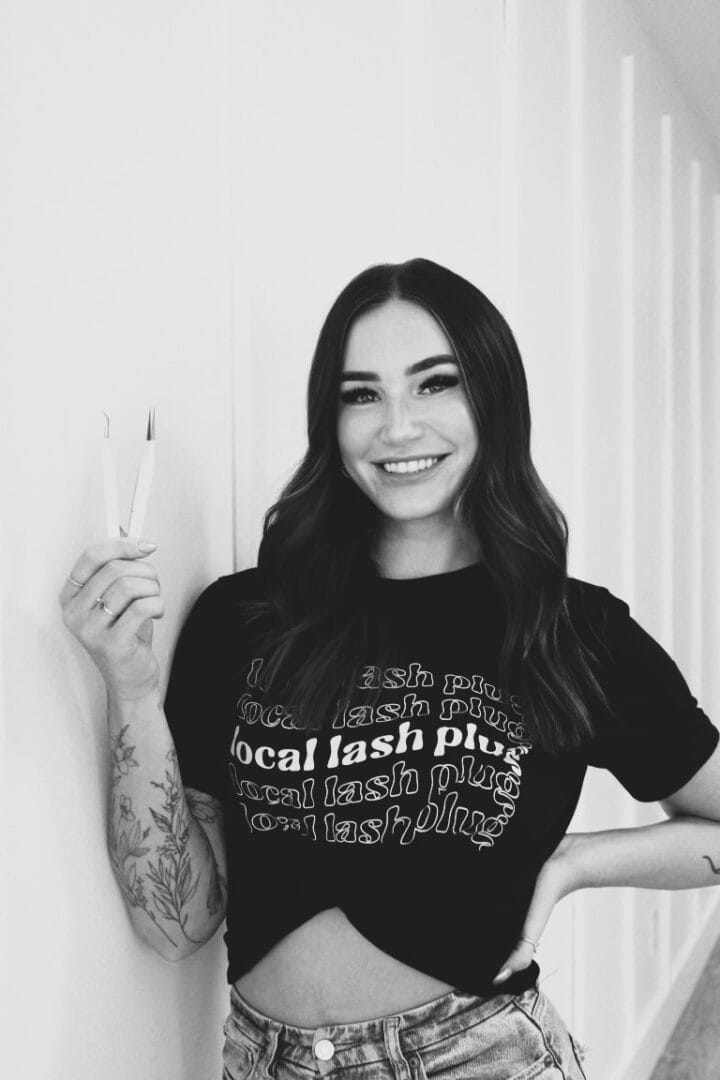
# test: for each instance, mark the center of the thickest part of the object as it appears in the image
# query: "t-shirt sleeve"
(660, 736)
(195, 704)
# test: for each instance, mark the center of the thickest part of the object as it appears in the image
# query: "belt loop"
(267, 1058)
(401, 1069)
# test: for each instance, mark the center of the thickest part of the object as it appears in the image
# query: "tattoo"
(203, 810)
(201, 805)
(125, 845)
(122, 757)
(171, 883)
(715, 869)
(172, 876)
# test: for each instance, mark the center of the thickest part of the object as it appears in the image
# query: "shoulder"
(222, 598)
(596, 610)
(236, 588)
(585, 598)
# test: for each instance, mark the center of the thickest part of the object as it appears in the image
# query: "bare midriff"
(326, 972)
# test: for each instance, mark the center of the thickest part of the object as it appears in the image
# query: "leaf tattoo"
(171, 876)
(201, 806)
(125, 845)
(203, 810)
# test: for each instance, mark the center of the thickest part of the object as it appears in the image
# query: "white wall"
(185, 190)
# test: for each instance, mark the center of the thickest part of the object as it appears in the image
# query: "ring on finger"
(77, 584)
(104, 606)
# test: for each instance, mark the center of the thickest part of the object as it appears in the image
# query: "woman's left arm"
(680, 853)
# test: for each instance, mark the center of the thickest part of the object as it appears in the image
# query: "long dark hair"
(314, 557)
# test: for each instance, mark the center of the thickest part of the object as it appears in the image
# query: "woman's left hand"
(556, 879)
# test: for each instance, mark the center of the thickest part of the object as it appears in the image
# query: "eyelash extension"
(349, 397)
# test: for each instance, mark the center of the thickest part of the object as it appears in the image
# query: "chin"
(396, 510)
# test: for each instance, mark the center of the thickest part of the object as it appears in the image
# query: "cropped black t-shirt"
(427, 818)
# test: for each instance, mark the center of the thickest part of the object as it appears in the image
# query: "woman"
(380, 732)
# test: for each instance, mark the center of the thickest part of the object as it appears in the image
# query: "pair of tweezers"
(143, 481)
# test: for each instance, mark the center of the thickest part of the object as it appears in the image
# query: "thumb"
(518, 960)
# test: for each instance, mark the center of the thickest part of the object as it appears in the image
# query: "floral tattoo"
(169, 880)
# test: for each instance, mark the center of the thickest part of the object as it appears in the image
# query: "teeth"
(410, 466)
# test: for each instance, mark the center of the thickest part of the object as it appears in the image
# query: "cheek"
(352, 433)
(458, 425)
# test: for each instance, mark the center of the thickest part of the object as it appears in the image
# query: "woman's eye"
(441, 380)
(349, 397)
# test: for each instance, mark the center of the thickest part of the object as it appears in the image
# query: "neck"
(409, 554)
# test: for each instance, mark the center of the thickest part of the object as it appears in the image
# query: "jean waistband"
(354, 1043)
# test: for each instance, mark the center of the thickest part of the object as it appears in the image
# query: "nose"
(399, 424)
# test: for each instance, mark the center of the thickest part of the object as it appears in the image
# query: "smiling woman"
(380, 733)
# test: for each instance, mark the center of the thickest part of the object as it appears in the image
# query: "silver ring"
(78, 584)
(104, 606)
(533, 943)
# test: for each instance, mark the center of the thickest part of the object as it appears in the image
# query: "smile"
(414, 468)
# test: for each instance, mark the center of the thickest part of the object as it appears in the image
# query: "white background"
(185, 188)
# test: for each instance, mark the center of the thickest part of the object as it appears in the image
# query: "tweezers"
(143, 481)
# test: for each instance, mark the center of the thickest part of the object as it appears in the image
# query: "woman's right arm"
(165, 843)
(170, 868)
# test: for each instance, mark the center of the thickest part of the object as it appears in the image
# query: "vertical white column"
(666, 312)
(508, 166)
(416, 150)
(627, 436)
(695, 465)
(236, 151)
(578, 535)
(715, 346)
(576, 19)
(667, 456)
(627, 315)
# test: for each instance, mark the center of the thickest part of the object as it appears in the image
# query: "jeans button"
(324, 1049)
(548, 1060)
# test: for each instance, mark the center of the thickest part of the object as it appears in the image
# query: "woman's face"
(402, 400)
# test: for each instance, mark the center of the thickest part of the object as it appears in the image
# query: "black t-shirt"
(427, 818)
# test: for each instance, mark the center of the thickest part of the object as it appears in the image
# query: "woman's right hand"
(118, 640)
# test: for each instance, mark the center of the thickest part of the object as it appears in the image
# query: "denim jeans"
(455, 1037)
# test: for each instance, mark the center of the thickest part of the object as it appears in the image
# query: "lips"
(412, 476)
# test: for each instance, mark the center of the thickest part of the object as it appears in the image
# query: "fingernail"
(502, 975)
(145, 545)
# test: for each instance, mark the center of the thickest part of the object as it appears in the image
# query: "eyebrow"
(419, 365)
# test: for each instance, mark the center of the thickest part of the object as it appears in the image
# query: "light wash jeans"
(455, 1037)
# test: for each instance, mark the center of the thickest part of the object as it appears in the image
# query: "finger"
(118, 597)
(128, 625)
(117, 579)
(76, 608)
(96, 556)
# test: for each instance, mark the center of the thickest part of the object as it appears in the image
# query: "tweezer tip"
(107, 424)
(151, 424)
